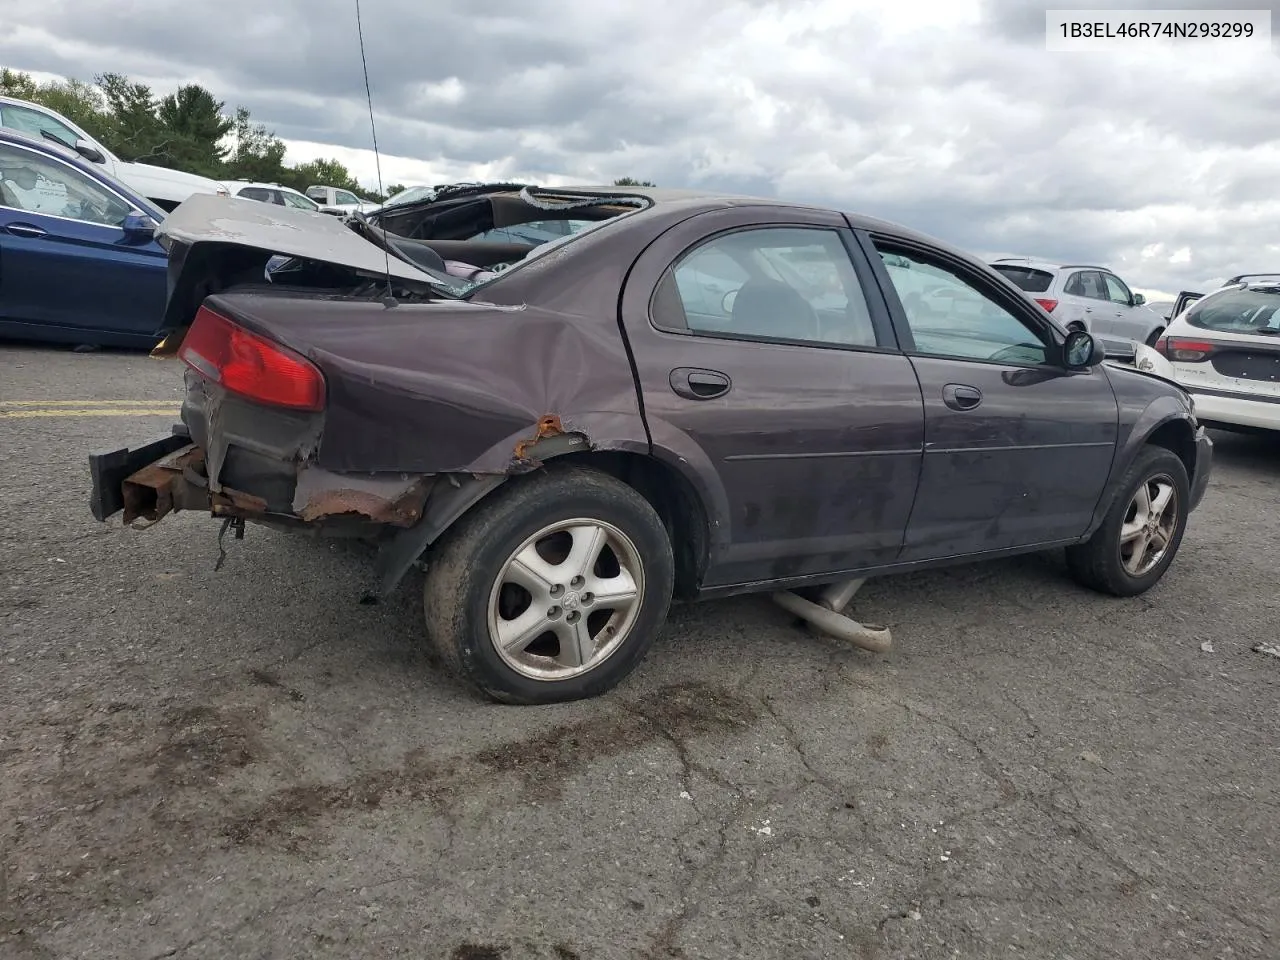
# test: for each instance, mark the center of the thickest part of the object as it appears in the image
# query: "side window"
(342, 196)
(316, 193)
(35, 123)
(296, 200)
(38, 184)
(1117, 292)
(1087, 283)
(778, 283)
(951, 316)
(255, 193)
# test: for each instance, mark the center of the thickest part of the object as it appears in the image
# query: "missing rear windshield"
(1239, 311)
(470, 235)
(1030, 280)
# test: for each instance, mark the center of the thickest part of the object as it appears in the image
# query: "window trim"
(1018, 305)
(129, 201)
(881, 324)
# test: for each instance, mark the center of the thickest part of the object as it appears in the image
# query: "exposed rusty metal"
(548, 426)
(148, 493)
(239, 500)
(404, 510)
(398, 499)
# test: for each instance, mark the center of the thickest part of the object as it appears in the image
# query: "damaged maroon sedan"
(571, 405)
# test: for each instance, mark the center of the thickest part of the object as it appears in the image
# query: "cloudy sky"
(1162, 162)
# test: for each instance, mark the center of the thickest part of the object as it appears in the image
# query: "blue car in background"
(79, 262)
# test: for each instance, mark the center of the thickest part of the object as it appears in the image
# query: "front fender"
(1160, 411)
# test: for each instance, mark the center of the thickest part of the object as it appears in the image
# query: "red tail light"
(249, 365)
(1047, 303)
(1182, 350)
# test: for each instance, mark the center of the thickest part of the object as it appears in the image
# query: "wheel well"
(671, 495)
(1075, 325)
(1155, 335)
(1176, 437)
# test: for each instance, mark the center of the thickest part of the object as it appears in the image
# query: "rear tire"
(559, 550)
(1108, 561)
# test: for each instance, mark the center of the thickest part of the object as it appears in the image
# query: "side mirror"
(1139, 299)
(89, 152)
(1081, 351)
(138, 227)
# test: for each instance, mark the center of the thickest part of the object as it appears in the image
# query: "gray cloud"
(955, 120)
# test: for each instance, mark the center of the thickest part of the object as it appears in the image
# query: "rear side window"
(255, 193)
(1087, 283)
(1239, 311)
(317, 193)
(1028, 278)
(787, 284)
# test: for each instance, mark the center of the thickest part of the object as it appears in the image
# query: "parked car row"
(164, 188)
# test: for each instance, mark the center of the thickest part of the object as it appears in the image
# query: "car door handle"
(25, 230)
(695, 384)
(957, 396)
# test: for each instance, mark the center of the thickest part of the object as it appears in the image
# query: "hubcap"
(1148, 526)
(566, 599)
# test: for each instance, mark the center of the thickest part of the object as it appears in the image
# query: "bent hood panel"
(308, 234)
(449, 386)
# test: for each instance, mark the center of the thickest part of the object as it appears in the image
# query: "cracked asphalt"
(253, 764)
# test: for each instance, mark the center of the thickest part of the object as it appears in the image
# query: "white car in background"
(164, 187)
(1085, 297)
(276, 193)
(1225, 352)
(339, 202)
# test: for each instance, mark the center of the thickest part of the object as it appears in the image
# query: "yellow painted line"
(86, 403)
(92, 412)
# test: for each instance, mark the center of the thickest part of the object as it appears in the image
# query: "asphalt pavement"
(251, 763)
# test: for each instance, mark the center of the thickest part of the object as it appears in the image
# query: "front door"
(775, 383)
(1017, 448)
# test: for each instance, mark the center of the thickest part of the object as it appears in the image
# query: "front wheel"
(1141, 533)
(551, 591)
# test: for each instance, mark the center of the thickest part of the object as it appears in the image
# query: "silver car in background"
(1085, 297)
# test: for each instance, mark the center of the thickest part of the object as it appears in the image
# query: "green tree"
(256, 153)
(632, 182)
(15, 83)
(194, 122)
(327, 173)
(136, 132)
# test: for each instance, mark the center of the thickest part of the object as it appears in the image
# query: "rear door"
(1017, 448)
(1086, 294)
(64, 259)
(769, 376)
